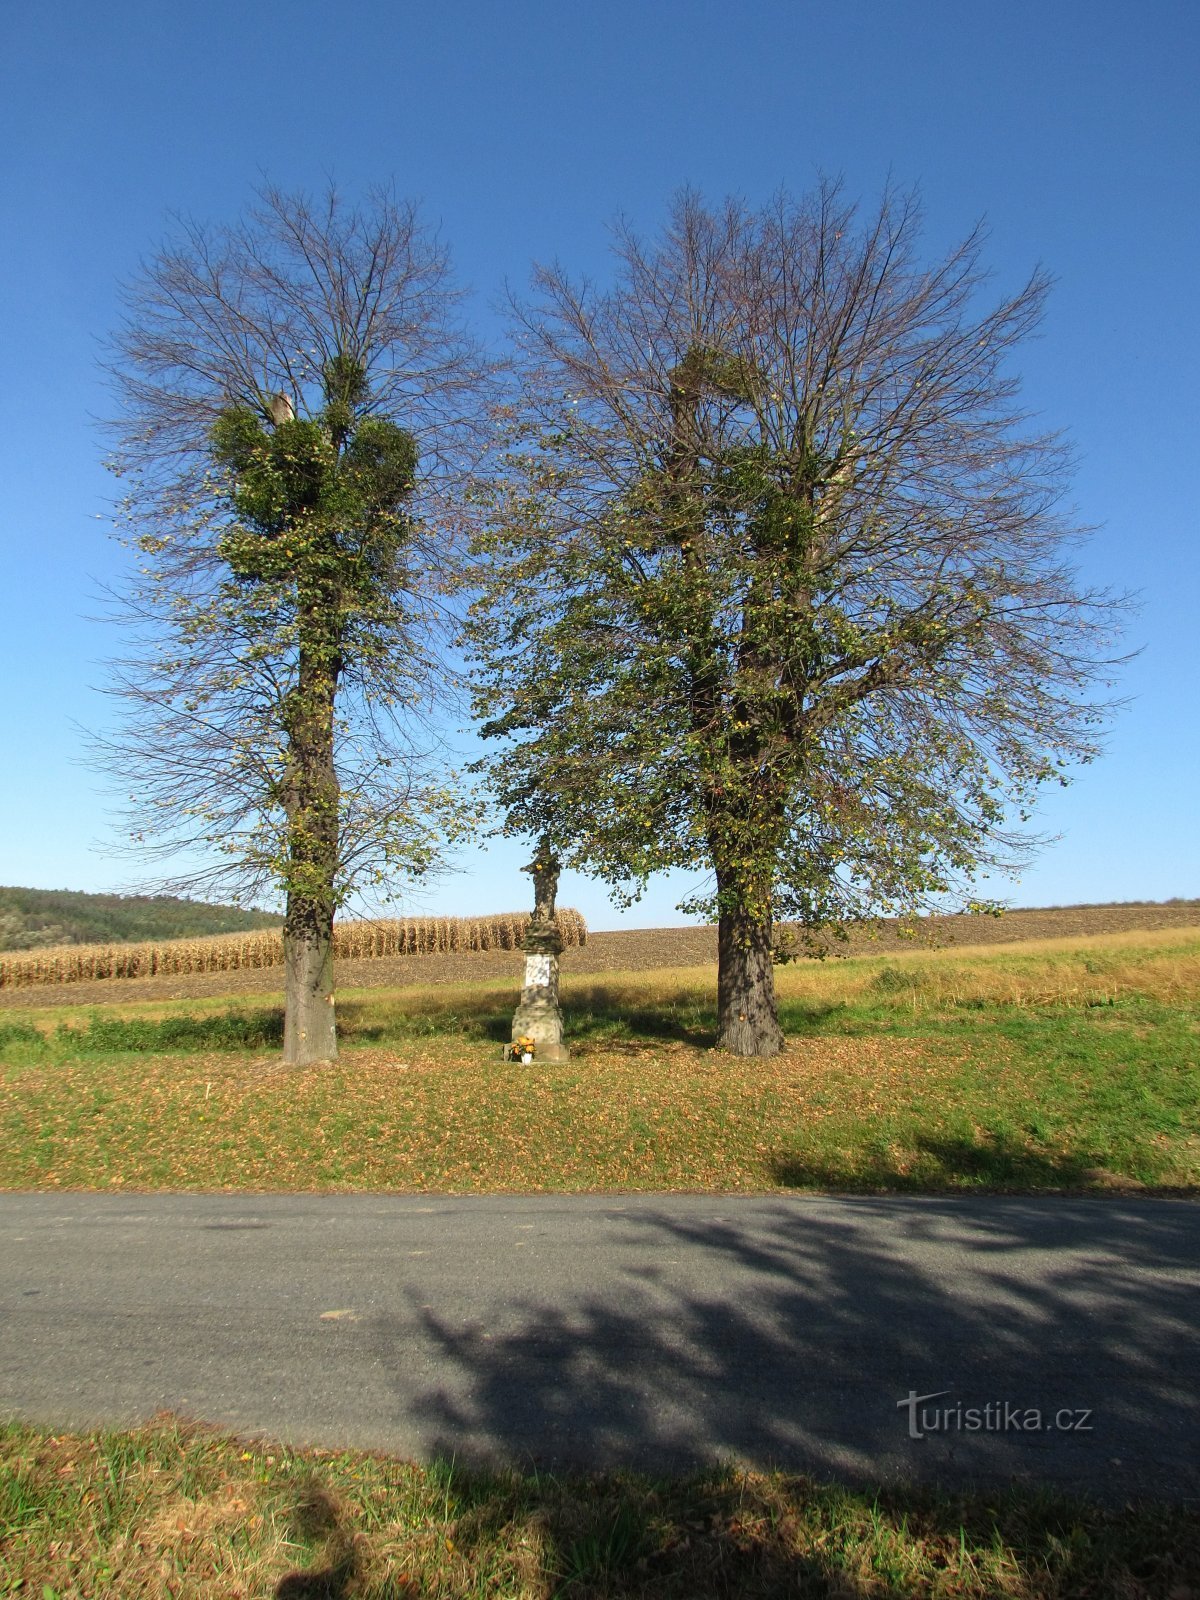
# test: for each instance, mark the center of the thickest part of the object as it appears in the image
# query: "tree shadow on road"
(742, 1383)
(798, 1330)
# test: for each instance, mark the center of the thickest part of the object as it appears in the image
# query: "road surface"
(1058, 1338)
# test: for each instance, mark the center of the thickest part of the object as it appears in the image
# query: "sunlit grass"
(1069, 1067)
(196, 1514)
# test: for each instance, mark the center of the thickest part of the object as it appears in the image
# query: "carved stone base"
(538, 1016)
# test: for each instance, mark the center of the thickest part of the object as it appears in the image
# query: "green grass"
(1072, 1068)
(180, 1510)
(1038, 1100)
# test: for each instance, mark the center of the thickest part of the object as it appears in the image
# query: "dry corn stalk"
(263, 947)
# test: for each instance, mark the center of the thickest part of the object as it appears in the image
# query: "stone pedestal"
(538, 1016)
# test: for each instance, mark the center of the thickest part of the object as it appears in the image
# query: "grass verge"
(175, 1509)
(1070, 1066)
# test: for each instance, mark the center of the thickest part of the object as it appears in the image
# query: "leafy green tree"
(775, 584)
(299, 404)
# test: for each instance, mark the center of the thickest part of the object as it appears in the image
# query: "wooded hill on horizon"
(33, 919)
(36, 919)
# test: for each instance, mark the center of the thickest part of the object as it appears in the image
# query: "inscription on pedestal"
(537, 972)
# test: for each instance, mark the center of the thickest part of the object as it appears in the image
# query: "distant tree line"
(33, 919)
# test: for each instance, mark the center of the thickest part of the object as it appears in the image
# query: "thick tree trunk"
(747, 1016)
(309, 1025)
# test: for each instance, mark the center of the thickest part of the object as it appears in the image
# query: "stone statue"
(545, 870)
(538, 1016)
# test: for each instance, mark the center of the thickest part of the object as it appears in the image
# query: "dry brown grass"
(635, 950)
(233, 952)
(1161, 965)
(182, 1510)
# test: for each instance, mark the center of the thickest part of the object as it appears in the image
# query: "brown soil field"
(633, 950)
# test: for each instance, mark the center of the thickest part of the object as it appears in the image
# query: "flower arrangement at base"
(522, 1049)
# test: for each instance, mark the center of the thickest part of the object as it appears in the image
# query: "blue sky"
(523, 128)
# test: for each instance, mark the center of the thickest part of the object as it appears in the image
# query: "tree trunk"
(309, 1025)
(747, 1017)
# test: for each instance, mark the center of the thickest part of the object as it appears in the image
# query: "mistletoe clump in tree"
(775, 586)
(319, 503)
(298, 403)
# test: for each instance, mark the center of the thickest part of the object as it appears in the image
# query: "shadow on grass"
(800, 1017)
(597, 1014)
(621, 1535)
(999, 1162)
(235, 1030)
(616, 1536)
(316, 1520)
(787, 1538)
(355, 1024)
(603, 1013)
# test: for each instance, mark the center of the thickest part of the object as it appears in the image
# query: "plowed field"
(633, 950)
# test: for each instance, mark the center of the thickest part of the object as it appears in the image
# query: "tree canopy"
(776, 584)
(298, 405)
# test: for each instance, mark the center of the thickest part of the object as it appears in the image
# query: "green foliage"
(316, 551)
(279, 477)
(345, 380)
(233, 1030)
(291, 557)
(318, 500)
(32, 918)
(379, 467)
(772, 585)
(18, 1033)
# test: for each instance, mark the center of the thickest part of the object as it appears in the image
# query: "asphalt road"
(655, 1331)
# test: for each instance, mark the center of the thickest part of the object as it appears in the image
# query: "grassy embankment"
(1052, 1065)
(197, 1515)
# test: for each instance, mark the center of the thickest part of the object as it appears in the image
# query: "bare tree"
(776, 585)
(298, 406)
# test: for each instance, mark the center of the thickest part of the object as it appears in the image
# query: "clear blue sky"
(1074, 128)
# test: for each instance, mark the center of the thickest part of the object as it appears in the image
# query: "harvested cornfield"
(76, 963)
(429, 936)
(233, 952)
